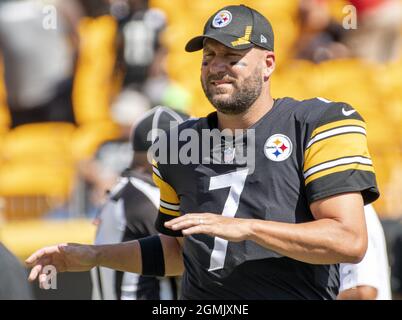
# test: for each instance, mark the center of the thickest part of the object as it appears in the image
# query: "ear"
(269, 63)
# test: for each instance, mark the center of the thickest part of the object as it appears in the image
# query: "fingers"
(187, 221)
(34, 258)
(195, 230)
(38, 260)
(185, 224)
(202, 218)
(192, 224)
(38, 267)
(39, 254)
(210, 224)
(34, 272)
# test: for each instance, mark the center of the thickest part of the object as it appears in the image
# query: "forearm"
(126, 256)
(323, 241)
(172, 253)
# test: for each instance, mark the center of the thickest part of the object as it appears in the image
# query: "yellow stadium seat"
(388, 170)
(295, 80)
(391, 192)
(381, 133)
(5, 119)
(94, 82)
(344, 71)
(24, 178)
(32, 189)
(348, 81)
(336, 8)
(392, 106)
(201, 107)
(272, 8)
(25, 237)
(4, 113)
(388, 78)
(87, 138)
(39, 142)
(168, 7)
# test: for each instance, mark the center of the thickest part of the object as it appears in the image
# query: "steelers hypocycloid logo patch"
(278, 147)
(222, 19)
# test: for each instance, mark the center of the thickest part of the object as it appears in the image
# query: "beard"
(242, 97)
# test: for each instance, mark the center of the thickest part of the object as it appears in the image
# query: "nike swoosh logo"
(348, 113)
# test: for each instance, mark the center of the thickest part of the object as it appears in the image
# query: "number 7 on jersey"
(235, 181)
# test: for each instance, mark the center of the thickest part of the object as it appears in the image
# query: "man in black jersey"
(271, 206)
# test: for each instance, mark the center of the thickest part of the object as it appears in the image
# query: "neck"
(248, 118)
(143, 170)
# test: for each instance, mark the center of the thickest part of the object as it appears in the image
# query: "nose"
(217, 65)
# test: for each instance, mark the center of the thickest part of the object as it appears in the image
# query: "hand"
(231, 229)
(64, 257)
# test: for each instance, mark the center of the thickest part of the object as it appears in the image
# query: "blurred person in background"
(140, 49)
(130, 214)
(142, 54)
(112, 157)
(378, 33)
(12, 277)
(320, 36)
(38, 61)
(370, 278)
(93, 8)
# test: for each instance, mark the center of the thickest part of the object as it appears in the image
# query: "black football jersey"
(302, 151)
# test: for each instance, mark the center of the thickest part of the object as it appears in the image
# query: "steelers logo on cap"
(222, 19)
(278, 147)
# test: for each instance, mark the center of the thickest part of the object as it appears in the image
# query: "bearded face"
(232, 80)
(230, 95)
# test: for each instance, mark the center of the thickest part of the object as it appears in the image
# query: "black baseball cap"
(160, 117)
(237, 27)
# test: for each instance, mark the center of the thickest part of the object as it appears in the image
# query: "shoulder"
(196, 124)
(320, 110)
(322, 113)
(192, 123)
(166, 147)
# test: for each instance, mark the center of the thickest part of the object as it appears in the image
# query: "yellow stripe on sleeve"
(336, 124)
(169, 212)
(352, 166)
(168, 194)
(336, 147)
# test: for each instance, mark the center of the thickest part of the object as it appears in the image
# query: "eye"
(206, 58)
(235, 60)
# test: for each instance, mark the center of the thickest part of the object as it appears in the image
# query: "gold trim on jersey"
(340, 168)
(335, 132)
(336, 124)
(335, 147)
(169, 201)
(169, 212)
